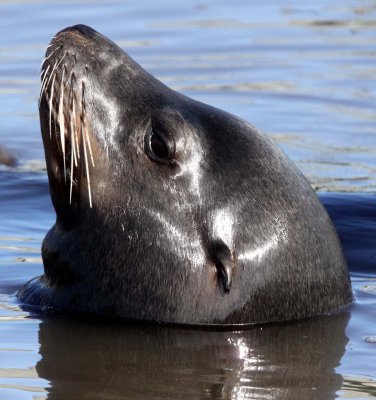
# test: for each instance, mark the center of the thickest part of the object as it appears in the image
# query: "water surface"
(303, 73)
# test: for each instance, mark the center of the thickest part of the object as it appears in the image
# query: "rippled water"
(304, 72)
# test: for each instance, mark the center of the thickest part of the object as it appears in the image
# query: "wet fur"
(231, 233)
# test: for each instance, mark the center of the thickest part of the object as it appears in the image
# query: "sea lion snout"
(79, 29)
(79, 36)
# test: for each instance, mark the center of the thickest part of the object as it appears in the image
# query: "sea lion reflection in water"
(168, 209)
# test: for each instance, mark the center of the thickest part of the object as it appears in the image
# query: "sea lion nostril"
(224, 262)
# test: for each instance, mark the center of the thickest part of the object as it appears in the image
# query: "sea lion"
(168, 209)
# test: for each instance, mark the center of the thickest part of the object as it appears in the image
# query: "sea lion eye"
(159, 147)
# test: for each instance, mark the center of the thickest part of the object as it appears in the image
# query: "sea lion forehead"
(87, 37)
(95, 52)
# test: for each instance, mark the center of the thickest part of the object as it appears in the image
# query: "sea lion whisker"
(48, 81)
(58, 62)
(72, 128)
(75, 128)
(62, 122)
(51, 105)
(44, 82)
(89, 145)
(73, 140)
(62, 58)
(51, 52)
(83, 134)
(41, 76)
(87, 168)
(52, 73)
(47, 57)
(71, 166)
(44, 74)
(41, 65)
(69, 78)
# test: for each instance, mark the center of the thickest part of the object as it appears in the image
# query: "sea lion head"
(168, 209)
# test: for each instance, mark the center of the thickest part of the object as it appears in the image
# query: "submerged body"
(168, 209)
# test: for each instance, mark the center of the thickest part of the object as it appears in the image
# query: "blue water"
(301, 72)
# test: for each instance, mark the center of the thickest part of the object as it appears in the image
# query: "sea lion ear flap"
(224, 262)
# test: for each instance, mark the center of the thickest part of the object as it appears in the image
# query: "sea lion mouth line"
(62, 100)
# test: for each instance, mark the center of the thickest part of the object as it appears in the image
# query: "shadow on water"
(96, 360)
(354, 216)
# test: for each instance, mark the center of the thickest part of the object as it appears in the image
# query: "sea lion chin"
(168, 209)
